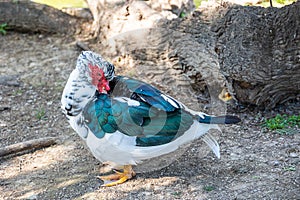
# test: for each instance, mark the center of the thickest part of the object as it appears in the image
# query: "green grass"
(209, 188)
(182, 15)
(277, 3)
(40, 114)
(176, 193)
(283, 124)
(3, 28)
(59, 4)
(197, 3)
(18, 92)
(264, 3)
(289, 169)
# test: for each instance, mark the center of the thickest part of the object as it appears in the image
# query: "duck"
(125, 121)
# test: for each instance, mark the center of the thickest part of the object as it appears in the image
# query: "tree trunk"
(26, 16)
(253, 52)
(259, 52)
(117, 16)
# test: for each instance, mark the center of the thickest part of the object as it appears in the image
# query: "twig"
(28, 145)
(83, 46)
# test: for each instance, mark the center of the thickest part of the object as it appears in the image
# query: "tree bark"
(252, 52)
(26, 16)
(259, 53)
(117, 16)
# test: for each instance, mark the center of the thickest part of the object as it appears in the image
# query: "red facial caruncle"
(98, 78)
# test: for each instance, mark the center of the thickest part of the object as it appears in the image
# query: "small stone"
(293, 155)
(148, 187)
(9, 80)
(275, 162)
(2, 124)
(32, 197)
(3, 108)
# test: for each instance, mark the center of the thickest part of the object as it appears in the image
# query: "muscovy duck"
(125, 121)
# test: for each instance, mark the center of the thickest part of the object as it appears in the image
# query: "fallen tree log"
(27, 16)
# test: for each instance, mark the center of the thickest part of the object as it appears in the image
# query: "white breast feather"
(120, 149)
(77, 93)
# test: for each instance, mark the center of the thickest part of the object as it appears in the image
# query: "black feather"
(227, 119)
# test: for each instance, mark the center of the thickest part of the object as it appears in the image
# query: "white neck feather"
(77, 93)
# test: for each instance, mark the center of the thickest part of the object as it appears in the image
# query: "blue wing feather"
(150, 125)
(142, 91)
(151, 117)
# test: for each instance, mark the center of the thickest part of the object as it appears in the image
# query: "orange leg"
(119, 177)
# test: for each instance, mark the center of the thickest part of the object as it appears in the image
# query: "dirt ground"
(255, 163)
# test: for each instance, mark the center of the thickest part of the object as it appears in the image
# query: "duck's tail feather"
(226, 119)
(212, 143)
